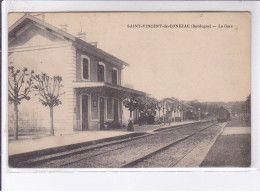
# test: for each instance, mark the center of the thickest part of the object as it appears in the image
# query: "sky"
(206, 64)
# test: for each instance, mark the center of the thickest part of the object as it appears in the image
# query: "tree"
(247, 108)
(150, 105)
(49, 92)
(20, 84)
(132, 103)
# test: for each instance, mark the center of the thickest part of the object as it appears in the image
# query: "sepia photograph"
(161, 90)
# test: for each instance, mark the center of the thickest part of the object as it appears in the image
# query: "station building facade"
(92, 78)
(174, 110)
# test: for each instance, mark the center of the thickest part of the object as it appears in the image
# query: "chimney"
(93, 44)
(82, 36)
(64, 27)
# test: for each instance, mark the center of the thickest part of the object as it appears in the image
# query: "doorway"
(115, 110)
(102, 112)
(84, 104)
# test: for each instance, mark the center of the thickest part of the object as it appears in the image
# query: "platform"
(48, 142)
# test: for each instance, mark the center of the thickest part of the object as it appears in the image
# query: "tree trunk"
(51, 115)
(131, 114)
(16, 121)
(130, 126)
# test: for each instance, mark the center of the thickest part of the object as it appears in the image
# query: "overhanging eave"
(108, 86)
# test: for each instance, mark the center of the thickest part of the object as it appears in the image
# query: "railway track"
(141, 159)
(71, 157)
(111, 150)
(188, 152)
(106, 150)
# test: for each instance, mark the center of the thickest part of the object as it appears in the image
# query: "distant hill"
(211, 107)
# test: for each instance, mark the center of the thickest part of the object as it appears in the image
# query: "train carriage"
(223, 115)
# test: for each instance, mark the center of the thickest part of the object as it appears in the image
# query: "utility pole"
(174, 110)
(199, 113)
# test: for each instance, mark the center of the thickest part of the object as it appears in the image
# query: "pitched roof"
(173, 100)
(28, 19)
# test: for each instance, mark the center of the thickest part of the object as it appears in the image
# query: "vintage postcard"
(129, 90)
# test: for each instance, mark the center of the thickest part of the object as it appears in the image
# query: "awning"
(104, 87)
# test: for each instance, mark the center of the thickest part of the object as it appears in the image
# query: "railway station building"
(92, 78)
(175, 110)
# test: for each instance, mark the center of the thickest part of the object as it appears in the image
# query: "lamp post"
(164, 107)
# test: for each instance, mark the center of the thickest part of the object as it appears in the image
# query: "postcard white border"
(177, 178)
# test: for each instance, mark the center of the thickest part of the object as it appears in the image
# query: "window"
(85, 67)
(114, 76)
(101, 72)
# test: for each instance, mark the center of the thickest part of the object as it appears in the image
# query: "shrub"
(113, 125)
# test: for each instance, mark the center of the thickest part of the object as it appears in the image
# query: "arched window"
(114, 75)
(85, 67)
(101, 72)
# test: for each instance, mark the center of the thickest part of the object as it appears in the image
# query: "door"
(84, 104)
(115, 110)
(102, 112)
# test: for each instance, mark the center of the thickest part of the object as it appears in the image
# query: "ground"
(232, 148)
(182, 146)
(203, 144)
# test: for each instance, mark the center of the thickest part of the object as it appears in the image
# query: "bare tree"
(20, 84)
(49, 92)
